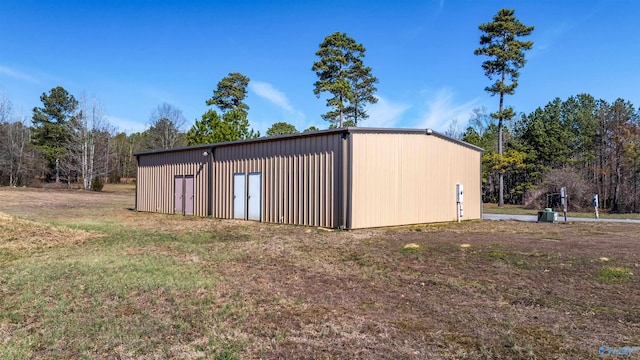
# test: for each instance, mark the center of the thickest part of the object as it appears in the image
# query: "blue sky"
(135, 55)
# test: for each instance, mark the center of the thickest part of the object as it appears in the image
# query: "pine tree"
(341, 72)
(281, 128)
(212, 128)
(500, 43)
(51, 132)
(233, 124)
(230, 93)
(363, 86)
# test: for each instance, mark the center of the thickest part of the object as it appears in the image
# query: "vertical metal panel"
(410, 178)
(297, 177)
(156, 180)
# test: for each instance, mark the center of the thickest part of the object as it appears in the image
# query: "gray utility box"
(548, 215)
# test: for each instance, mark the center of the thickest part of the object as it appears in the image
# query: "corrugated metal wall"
(388, 177)
(399, 179)
(300, 178)
(155, 182)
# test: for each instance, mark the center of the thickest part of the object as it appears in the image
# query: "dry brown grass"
(24, 235)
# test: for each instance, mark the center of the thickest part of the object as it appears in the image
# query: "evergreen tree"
(213, 129)
(208, 130)
(579, 116)
(239, 124)
(548, 135)
(341, 72)
(230, 93)
(500, 43)
(281, 128)
(50, 130)
(363, 87)
(233, 124)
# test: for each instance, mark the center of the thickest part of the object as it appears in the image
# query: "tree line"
(583, 144)
(69, 140)
(590, 146)
(341, 73)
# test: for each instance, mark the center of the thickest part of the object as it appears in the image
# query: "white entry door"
(239, 197)
(255, 196)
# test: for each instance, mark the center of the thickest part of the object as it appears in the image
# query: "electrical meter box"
(459, 193)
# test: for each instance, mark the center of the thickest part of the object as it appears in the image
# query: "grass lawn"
(83, 276)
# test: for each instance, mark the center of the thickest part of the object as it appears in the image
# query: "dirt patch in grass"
(162, 286)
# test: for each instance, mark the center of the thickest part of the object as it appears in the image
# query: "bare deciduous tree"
(165, 129)
(15, 155)
(88, 147)
(453, 130)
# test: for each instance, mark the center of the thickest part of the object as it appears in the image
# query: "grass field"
(84, 276)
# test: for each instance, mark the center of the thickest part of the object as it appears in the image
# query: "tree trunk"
(617, 185)
(500, 175)
(635, 192)
(85, 174)
(21, 156)
(57, 171)
(92, 148)
(342, 105)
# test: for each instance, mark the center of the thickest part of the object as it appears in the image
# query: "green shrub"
(96, 184)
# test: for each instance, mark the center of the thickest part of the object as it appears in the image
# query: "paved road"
(534, 218)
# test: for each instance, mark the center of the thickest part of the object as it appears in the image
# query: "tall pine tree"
(500, 43)
(51, 132)
(341, 72)
(230, 93)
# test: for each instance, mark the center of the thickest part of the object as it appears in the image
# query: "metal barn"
(341, 178)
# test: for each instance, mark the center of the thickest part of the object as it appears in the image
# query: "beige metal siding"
(298, 178)
(155, 182)
(399, 179)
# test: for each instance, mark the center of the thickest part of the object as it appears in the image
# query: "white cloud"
(385, 113)
(441, 110)
(286, 111)
(17, 74)
(547, 38)
(126, 125)
(267, 91)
